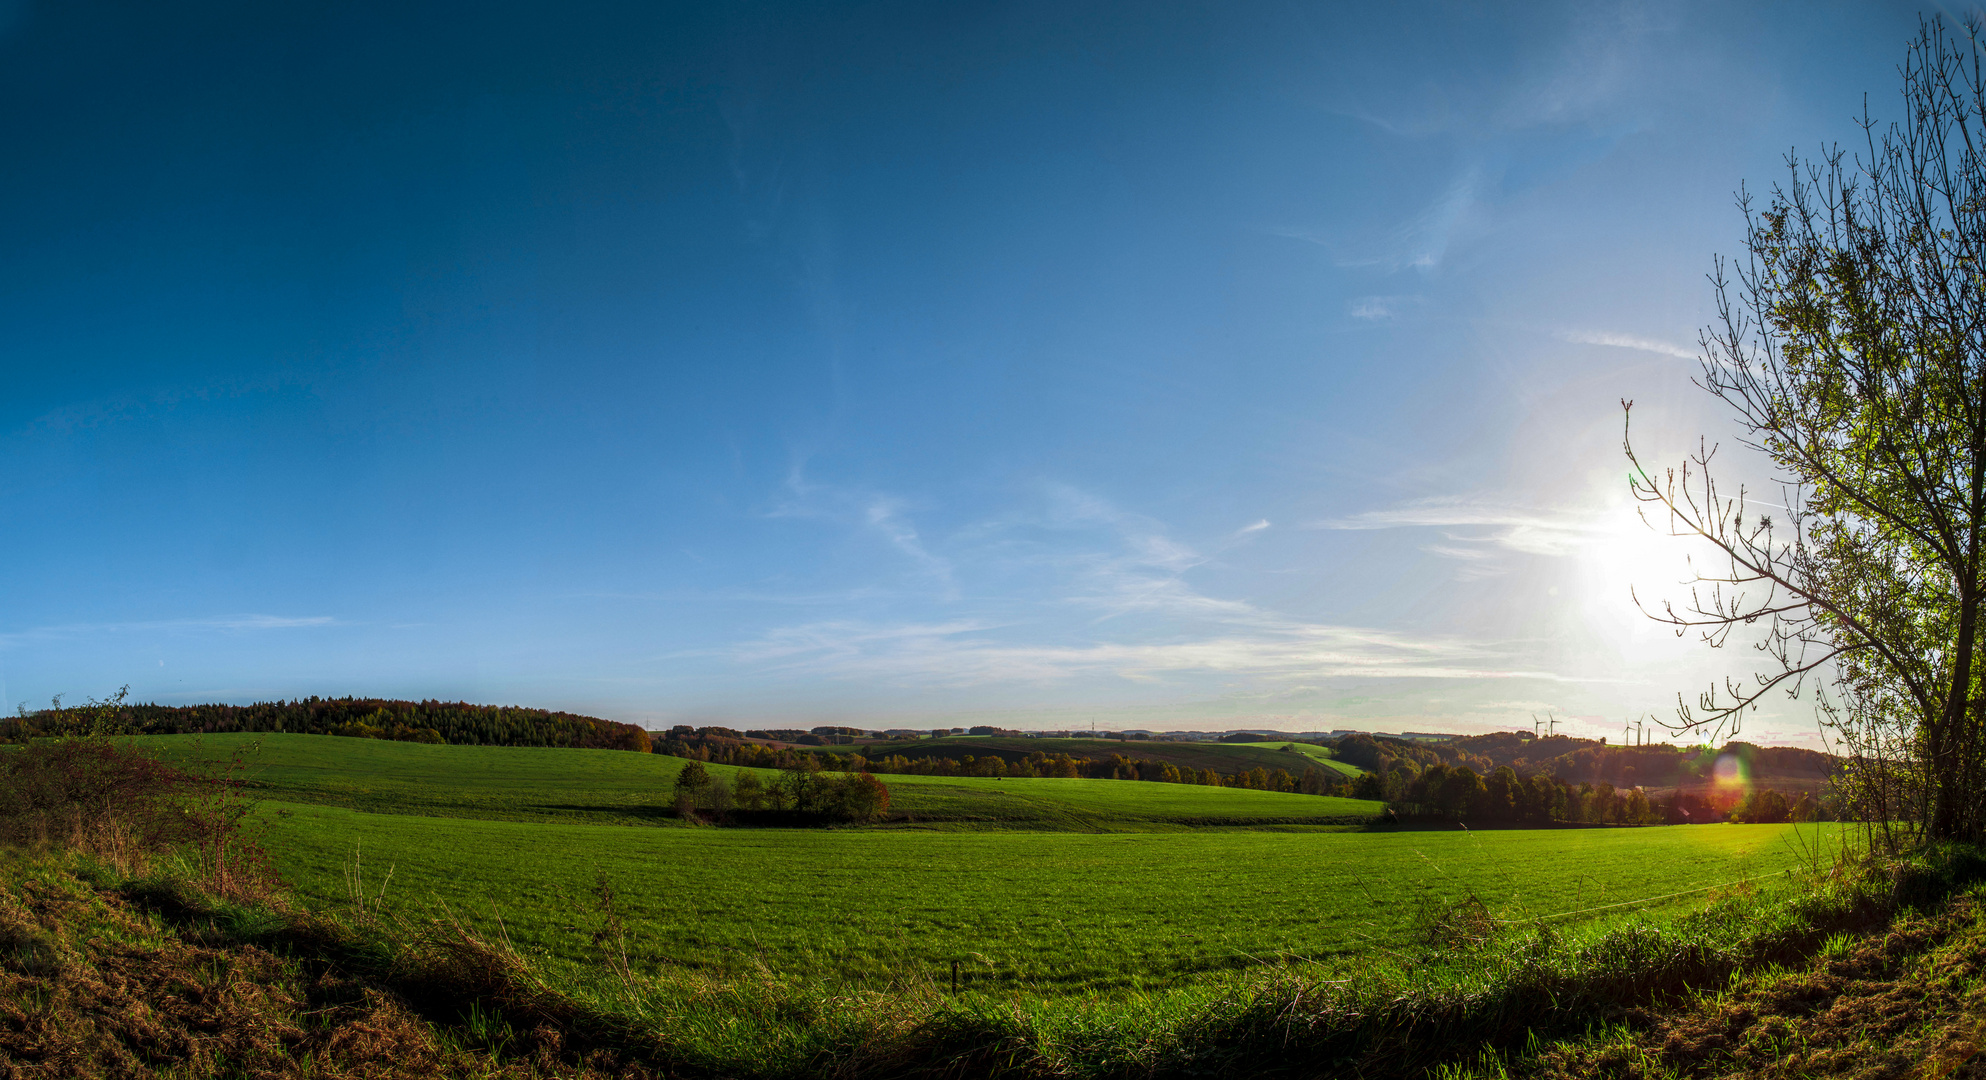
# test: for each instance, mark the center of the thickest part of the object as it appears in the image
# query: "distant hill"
(1227, 759)
(455, 722)
(1576, 761)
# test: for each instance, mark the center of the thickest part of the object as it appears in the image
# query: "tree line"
(1555, 778)
(1462, 794)
(707, 744)
(1456, 779)
(1415, 780)
(804, 794)
(454, 722)
(1583, 760)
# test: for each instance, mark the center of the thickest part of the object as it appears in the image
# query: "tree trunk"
(1948, 771)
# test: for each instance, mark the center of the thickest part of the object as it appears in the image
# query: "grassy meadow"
(528, 783)
(539, 904)
(1055, 911)
(1046, 885)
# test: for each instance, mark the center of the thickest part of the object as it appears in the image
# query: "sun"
(1623, 559)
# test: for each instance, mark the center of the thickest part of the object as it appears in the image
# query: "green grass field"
(525, 783)
(1061, 912)
(1110, 889)
(1224, 758)
(1317, 755)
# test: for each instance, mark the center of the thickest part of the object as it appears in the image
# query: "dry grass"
(92, 986)
(1907, 1001)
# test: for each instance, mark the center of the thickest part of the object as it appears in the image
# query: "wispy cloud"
(1142, 569)
(885, 516)
(1476, 532)
(1454, 552)
(209, 624)
(1151, 621)
(882, 515)
(957, 654)
(1626, 341)
(1162, 627)
(239, 622)
(1384, 308)
(1421, 242)
(1477, 563)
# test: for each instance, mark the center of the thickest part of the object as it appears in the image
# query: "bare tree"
(1851, 343)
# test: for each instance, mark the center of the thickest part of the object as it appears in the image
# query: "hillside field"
(1224, 758)
(530, 783)
(1318, 755)
(1059, 912)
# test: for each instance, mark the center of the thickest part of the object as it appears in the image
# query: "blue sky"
(1153, 365)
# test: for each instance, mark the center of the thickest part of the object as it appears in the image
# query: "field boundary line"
(1631, 903)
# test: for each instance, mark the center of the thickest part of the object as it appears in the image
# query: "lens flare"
(1732, 774)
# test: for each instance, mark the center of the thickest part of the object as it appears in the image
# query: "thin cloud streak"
(880, 514)
(1147, 575)
(961, 654)
(1420, 243)
(1423, 242)
(1532, 532)
(1627, 341)
(1384, 308)
(214, 624)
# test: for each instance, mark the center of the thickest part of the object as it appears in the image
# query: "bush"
(89, 794)
(864, 798)
(844, 797)
(112, 802)
(1763, 807)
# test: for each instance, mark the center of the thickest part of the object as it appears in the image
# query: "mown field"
(526, 783)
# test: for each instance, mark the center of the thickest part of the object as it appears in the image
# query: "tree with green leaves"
(1851, 344)
(694, 777)
(691, 785)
